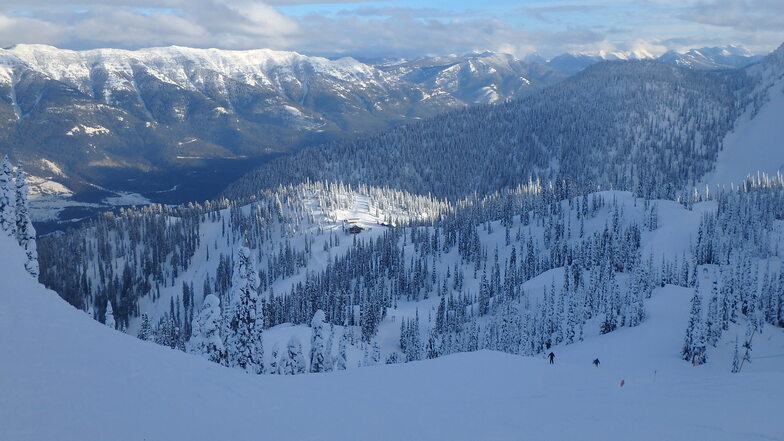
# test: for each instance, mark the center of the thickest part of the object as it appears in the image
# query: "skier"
(596, 363)
(551, 356)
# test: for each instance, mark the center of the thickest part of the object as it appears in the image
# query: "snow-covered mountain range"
(114, 122)
(722, 57)
(142, 120)
(109, 117)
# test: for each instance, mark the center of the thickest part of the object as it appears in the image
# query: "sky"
(398, 28)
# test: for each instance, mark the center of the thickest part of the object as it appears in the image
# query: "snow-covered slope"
(65, 376)
(756, 145)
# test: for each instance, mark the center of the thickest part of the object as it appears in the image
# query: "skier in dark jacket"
(596, 363)
(551, 356)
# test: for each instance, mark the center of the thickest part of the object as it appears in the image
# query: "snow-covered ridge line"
(171, 64)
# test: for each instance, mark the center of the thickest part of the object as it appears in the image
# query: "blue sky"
(397, 28)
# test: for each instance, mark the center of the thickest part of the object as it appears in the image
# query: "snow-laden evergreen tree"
(205, 332)
(341, 360)
(25, 232)
(751, 330)
(167, 333)
(244, 344)
(274, 362)
(319, 358)
(109, 320)
(375, 354)
(394, 358)
(736, 358)
(292, 362)
(410, 341)
(713, 320)
(7, 199)
(694, 343)
(145, 330)
(328, 349)
(365, 355)
(433, 345)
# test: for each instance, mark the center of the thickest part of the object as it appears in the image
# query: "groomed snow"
(67, 377)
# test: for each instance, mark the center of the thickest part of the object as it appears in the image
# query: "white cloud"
(29, 30)
(254, 18)
(741, 15)
(544, 27)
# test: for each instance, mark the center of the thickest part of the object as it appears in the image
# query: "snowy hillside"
(754, 146)
(520, 273)
(641, 126)
(65, 376)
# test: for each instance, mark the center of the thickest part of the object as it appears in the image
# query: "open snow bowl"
(136, 390)
(115, 384)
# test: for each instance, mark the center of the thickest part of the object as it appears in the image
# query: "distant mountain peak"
(715, 57)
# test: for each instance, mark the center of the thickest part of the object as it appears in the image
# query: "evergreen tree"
(205, 332)
(166, 332)
(750, 331)
(394, 358)
(712, 321)
(145, 330)
(694, 343)
(410, 341)
(109, 320)
(292, 361)
(25, 232)
(274, 364)
(342, 361)
(7, 205)
(375, 357)
(369, 318)
(433, 345)
(319, 358)
(244, 344)
(736, 358)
